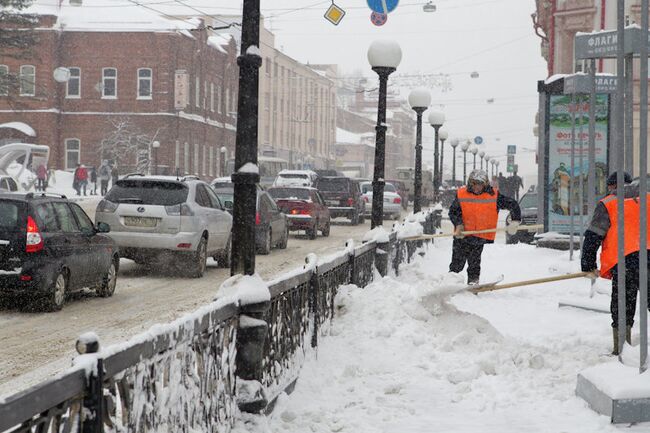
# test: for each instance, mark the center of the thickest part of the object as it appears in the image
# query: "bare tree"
(128, 145)
(17, 39)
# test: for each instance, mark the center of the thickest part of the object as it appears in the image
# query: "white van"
(295, 178)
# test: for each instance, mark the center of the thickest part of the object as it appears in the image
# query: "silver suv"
(152, 217)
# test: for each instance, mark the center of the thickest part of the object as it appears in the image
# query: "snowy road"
(37, 345)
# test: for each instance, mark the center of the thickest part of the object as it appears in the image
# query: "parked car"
(392, 200)
(305, 209)
(295, 178)
(343, 198)
(402, 191)
(272, 227)
(49, 247)
(150, 215)
(528, 205)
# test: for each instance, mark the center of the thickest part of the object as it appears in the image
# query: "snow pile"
(244, 289)
(409, 229)
(379, 234)
(405, 355)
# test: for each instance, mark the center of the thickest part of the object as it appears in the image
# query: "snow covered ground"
(401, 358)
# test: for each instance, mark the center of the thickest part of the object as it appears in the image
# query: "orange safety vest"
(479, 212)
(609, 252)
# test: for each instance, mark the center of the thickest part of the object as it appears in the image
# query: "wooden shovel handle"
(530, 282)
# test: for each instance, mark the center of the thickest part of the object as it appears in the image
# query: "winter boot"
(615, 350)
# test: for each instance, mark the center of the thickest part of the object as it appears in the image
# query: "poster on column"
(559, 174)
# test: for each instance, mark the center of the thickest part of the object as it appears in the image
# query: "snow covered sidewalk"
(402, 359)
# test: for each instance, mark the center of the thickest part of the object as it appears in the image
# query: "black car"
(49, 247)
(271, 225)
(343, 198)
(528, 205)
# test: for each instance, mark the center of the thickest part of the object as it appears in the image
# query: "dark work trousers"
(631, 290)
(464, 250)
(104, 186)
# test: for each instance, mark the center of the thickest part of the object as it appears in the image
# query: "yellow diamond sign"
(334, 14)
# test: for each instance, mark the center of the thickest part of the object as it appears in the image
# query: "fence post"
(251, 341)
(382, 253)
(314, 290)
(92, 420)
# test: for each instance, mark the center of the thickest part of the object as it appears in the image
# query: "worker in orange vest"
(476, 207)
(603, 229)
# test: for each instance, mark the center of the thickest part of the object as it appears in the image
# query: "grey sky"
(492, 37)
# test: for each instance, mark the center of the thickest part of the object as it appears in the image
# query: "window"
(267, 65)
(27, 80)
(177, 154)
(202, 198)
(196, 159)
(66, 218)
(73, 86)
(186, 158)
(205, 95)
(144, 83)
(227, 104)
(4, 82)
(84, 222)
(72, 148)
(219, 90)
(212, 97)
(109, 83)
(211, 166)
(197, 92)
(205, 159)
(47, 218)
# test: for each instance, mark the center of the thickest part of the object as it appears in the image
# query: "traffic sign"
(378, 19)
(334, 14)
(512, 149)
(382, 6)
(511, 159)
(478, 140)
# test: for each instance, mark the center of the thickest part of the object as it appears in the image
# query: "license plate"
(332, 202)
(386, 200)
(140, 221)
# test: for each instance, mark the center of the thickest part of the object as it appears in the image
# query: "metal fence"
(182, 377)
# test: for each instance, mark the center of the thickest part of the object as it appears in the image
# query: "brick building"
(135, 78)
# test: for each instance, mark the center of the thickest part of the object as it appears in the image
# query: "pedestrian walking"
(603, 229)
(516, 183)
(114, 175)
(104, 176)
(93, 180)
(476, 207)
(41, 178)
(81, 178)
(75, 179)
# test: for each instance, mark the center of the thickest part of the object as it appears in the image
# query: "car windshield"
(224, 189)
(366, 187)
(139, 191)
(225, 197)
(289, 193)
(293, 175)
(389, 187)
(9, 214)
(339, 184)
(528, 201)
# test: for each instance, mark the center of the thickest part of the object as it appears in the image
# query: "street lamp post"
(223, 152)
(384, 56)
(464, 147)
(454, 144)
(487, 164)
(419, 99)
(444, 135)
(155, 145)
(496, 171)
(246, 175)
(481, 154)
(436, 119)
(492, 162)
(474, 151)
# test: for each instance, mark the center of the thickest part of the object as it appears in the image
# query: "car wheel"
(326, 230)
(223, 259)
(354, 220)
(265, 248)
(198, 260)
(107, 286)
(55, 298)
(285, 240)
(313, 232)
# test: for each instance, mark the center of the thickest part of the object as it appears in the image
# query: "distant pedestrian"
(104, 176)
(93, 180)
(516, 183)
(75, 179)
(114, 175)
(41, 178)
(81, 177)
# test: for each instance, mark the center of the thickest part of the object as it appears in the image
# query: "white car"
(295, 178)
(392, 200)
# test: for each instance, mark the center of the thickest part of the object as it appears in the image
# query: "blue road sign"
(382, 6)
(478, 140)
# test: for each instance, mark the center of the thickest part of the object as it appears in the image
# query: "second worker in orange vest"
(476, 207)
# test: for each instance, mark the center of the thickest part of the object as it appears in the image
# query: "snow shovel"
(473, 232)
(492, 287)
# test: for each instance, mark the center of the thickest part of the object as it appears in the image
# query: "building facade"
(140, 80)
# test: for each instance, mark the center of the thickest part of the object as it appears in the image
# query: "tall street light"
(493, 162)
(436, 119)
(419, 99)
(443, 135)
(155, 145)
(487, 164)
(454, 144)
(464, 147)
(384, 56)
(246, 174)
(481, 154)
(474, 151)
